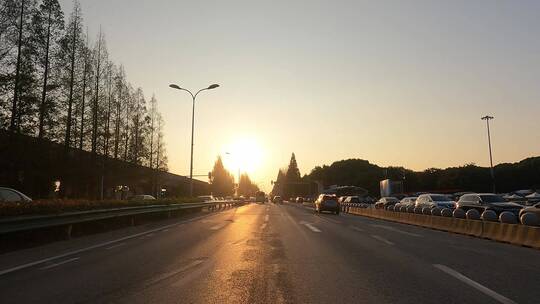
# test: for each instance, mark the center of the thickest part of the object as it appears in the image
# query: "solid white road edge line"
(27, 265)
(474, 284)
(381, 239)
(59, 263)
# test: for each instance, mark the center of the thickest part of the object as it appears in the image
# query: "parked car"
(383, 202)
(533, 209)
(356, 200)
(207, 198)
(407, 201)
(431, 200)
(142, 197)
(299, 200)
(487, 201)
(277, 200)
(326, 202)
(8, 195)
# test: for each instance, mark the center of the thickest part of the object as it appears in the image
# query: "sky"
(401, 83)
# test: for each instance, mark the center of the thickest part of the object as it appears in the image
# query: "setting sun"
(244, 154)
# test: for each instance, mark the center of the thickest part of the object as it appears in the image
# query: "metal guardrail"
(26, 223)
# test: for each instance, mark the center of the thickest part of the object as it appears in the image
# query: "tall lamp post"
(487, 118)
(174, 86)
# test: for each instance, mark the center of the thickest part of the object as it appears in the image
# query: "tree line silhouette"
(58, 85)
(358, 172)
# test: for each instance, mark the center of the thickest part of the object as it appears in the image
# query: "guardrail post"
(69, 228)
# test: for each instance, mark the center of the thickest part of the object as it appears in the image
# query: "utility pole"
(487, 118)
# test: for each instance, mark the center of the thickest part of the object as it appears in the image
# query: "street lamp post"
(174, 86)
(487, 118)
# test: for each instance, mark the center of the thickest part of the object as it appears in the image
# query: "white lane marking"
(27, 265)
(263, 226)
(382, 239)
(331, 220)
(311, 227)
(173, 273)
(266, 217)
(357, 228)
(164, 230)
(395, 230)
(114, 246)
(59, 263)
(218, 226)
(474, 284)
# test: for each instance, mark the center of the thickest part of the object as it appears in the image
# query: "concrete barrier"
(503, 232)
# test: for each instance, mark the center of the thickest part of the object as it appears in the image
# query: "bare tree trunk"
(96, 98)
(85, 71)
(108, 124)
(45, 79)
(117, 123)
(14, 125)
(71, 83)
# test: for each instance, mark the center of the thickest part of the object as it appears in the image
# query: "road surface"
(266, 253)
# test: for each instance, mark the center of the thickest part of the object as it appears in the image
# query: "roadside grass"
(58, 206)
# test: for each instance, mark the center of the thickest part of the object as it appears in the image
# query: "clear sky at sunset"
(394, 82)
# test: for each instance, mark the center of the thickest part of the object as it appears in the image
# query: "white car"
(142, 197)
(431, 200)
(407, 201)
(9, 195)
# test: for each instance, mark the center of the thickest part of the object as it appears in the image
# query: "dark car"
(385, 202)
(327, 202)
(300, 200)
(278, 200)
(9, 195)
(487, 201)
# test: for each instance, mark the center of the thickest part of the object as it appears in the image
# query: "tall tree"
(70, 42)
(47, 26)
(86, 66)
(246, 187)
(222, 181)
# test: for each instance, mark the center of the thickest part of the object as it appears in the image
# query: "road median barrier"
(516, 234)
(27, 231)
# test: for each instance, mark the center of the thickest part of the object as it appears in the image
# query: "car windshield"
(440, 198)
(491, 198)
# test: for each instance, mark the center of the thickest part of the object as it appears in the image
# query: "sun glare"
(244, 154)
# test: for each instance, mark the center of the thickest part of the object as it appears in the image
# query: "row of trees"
(222, 182)
(57, 84)
(357, 172)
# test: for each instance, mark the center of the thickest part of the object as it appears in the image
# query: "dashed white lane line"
(382, 239)
(357, 228)
(311, 227)
(476, 285)
(59, 263)
(218, 226)
(266, 217)
(167, 275)
(263, 226)
(114, 246)
(395, 230)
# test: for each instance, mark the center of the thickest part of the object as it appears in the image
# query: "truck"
(391, 188)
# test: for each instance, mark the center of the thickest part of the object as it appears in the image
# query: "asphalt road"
(266, 253)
